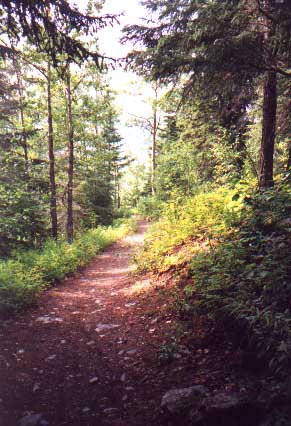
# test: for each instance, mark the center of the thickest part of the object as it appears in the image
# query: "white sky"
(131, 92)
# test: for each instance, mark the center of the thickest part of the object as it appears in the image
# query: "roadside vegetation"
(235, 245)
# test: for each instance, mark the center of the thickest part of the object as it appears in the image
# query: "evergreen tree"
(23, 200)
(51, 26)
(25, 206)
(220, 48)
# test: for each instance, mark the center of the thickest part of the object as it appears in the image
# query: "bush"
(150, 207)
(204, 216)
(247, 278)
(122, 213)
(31, 271)
(18, 285)
(241, 267)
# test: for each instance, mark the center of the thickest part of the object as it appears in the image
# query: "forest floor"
(98, 349)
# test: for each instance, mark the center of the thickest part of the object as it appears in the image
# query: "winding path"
(84, 356)
(90, 353)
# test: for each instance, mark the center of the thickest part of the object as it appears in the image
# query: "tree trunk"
(154, 141)
(269, 130)
(23, 137)
(21, 110)
(270, 101)
(53, 192)
(70, 219)
(118, 196)
(288, 168)
(115, 186)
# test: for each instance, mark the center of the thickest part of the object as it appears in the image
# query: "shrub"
(247, 278)
(241, 267)
(204, 216)
(123, 213)
(150, 207)
(18, 285)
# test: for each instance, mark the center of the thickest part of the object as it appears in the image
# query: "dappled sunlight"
(139, 287)
(115, 271)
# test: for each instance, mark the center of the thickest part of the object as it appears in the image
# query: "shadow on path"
(80, 357)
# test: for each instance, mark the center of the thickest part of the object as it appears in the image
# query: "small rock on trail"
(33, 420)
(180, 400)
(104, 327)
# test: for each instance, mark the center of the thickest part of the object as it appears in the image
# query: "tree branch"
(24, 58)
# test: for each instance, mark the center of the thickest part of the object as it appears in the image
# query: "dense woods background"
(59, 136)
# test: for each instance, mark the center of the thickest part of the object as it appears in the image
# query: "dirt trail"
(87, 354)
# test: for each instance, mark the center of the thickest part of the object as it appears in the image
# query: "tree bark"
(154, 141)
(269, 130)
(115, 185)
(269, 103)
(21, 110)
(154, 148)
(51, 154)
(288, 168)
(118, 196)
(70, 219)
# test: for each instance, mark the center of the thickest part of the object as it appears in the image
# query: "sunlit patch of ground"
(140, 287)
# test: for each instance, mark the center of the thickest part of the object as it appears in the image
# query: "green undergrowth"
(24, 276)
(205, 216)
(245, 281)
(241, 277)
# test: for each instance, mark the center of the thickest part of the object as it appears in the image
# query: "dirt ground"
(90, 353)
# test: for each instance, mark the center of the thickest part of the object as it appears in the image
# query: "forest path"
(87, 354)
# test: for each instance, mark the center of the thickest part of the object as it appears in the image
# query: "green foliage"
(23, 201)
(25, 179)
(204, 216)
(53, 31)
(129, 225)
(32, 271)
(19, 286)
(134, 184)
(122, 213)
(167, 351)
(240, 264)
(100, 164)
(247, 279)
(23, 184)
(150, 207)
(194, 151)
